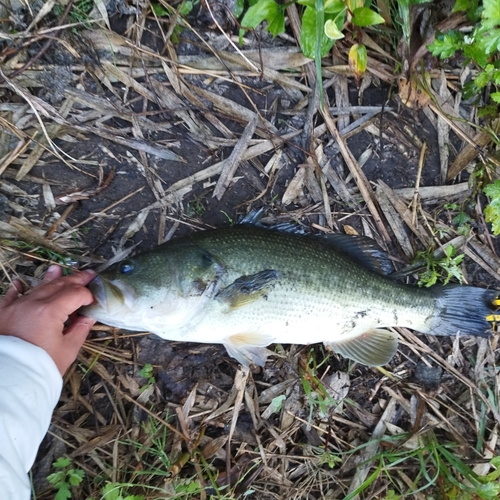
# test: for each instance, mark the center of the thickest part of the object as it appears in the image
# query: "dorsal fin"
(254, 218)
(362, 249)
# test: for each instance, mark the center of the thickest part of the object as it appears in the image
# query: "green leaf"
(489, 491)
(75, 476)
(476, 53)
(495, 97)
(308, 34)
(354, 4)
(461, 218)
(61, 463)
(56, 477)
(277, 24)
(491, 13)
(492, 211)
(482, 79)
(358, 59)
(63, 493)
(334, 6)
(470, 90)
(332, 31)
(111, 491)
(186, 8)
(265, 10)
(159, 10)
(307, 3)
(490, 41)
(461, 6)
(364, 16)
(490, 111)
(330, 6)
(238, 8)
(320, 36)
(146, 371)
(277, 403)
(446, 45)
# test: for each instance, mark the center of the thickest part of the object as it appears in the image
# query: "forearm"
(30, 386)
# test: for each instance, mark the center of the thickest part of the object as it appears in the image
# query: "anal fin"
(372, 348)
(249, 348)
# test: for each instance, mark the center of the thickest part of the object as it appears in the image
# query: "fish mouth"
(111, 295)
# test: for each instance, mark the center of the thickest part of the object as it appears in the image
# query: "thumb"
(12, 293)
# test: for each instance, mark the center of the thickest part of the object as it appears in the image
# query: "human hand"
(44, 316)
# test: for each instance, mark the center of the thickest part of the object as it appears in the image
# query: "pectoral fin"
(248, 289)
(372, 348)
(249, 348)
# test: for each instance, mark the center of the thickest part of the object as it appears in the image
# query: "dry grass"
(300, 428)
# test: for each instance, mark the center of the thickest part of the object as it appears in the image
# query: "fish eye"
(127, 267)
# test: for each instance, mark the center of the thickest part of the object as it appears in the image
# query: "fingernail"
(91, 272)
(53, 268)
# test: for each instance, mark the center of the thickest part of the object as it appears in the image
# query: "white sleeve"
(30, 386)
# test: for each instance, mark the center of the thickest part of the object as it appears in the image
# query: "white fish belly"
(290, 317)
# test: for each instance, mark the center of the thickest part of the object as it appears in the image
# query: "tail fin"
(465, 310)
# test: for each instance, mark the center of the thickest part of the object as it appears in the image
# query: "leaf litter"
(144, 140)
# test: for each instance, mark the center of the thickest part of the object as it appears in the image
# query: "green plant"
(229, 218)
(64, 478)
(440, 269)
(196, 207)
(479, 46)
(184, 9)
(147, 371)
(323, 23)
(116, 491)
(492, 211)
(155, 471)
(316, 393)
(79, 12)
(461, 220)
(439, 468)
(38, 251)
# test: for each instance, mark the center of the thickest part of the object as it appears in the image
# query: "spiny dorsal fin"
(362, 249)
(372, 348)
(254, 218)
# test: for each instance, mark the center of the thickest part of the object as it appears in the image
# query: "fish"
(248, 287)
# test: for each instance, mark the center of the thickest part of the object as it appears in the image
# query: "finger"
(53, 272)
(75, 336)
(12, 293)
(50, 288)
(79, 326)
(79, 277)
(70, 298)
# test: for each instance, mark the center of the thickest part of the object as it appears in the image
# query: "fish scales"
(315, 281)
(247, 287)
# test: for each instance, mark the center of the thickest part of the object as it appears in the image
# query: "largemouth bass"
(247, 287)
